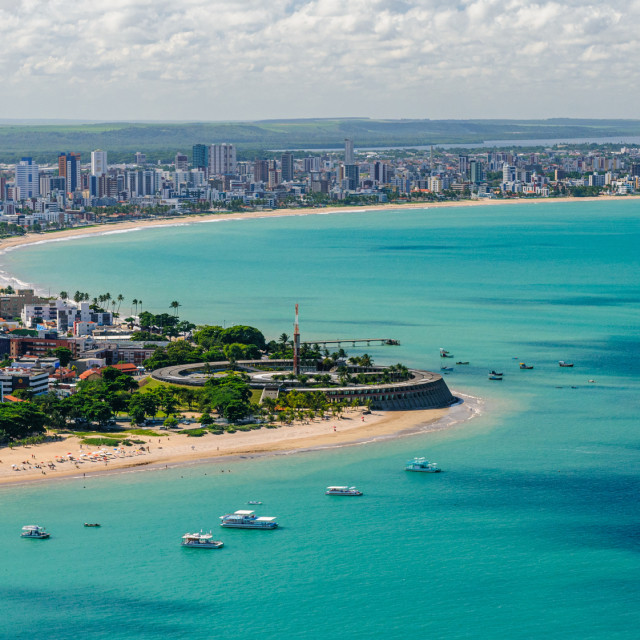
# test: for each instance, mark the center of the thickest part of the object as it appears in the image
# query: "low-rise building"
(14, 378)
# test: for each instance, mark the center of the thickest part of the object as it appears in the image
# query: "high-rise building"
(286, 161)
(380, 172)
(200, 156)
(141, 158)
(463, 166)
(222, 159)
(352, 175)
(27, 180)
(181, 162)
(69, 168)
(348, 151)
(98, 162)
(311, 164)
(476, 172)
(261, 171)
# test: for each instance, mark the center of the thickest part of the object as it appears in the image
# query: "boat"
(342, 491)
(562, 363)
(92, 524)
(422, 464)
(35, 532)
(524, 366)
(462, 363)
(446, 368)
(254, 502)
(247, 520)
(445, 354)
(201, 541)
(494, 377)
(495, 373)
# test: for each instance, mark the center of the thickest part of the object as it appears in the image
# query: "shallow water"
(533, 530)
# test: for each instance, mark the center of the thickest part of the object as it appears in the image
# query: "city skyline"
(302, 59)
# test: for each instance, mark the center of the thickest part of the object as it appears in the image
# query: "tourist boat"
(92, 524)
(422, 464)
(462, 363)
(562, 363)
(201, 541)
(524, 366)
(34, 531)
(493, 376)
(254, 502)
(495, 373)
(342, 491)
(247, 520)
(445, 354)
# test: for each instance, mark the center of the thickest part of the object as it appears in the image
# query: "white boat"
(201, 541)
(254, 502)
(248, 520)
(342, 491)
(422, 464)
(34, 531)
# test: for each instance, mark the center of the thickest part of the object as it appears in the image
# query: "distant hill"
(162, 140)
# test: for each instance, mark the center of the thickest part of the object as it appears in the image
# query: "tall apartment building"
(141, 158)
(286, 161)
(98, 162)
(200, 156)
(181, 162)
(352, 175)
(222, 159)
(69, 168)
(348, 151)
(463, 166)
(261, 171)
(27, 180)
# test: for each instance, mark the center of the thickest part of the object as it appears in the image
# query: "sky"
(214, 60)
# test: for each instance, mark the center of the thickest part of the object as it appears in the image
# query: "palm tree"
(120, 299)
(283, 339)
(134, 302)
(63, 295)
(175, 305)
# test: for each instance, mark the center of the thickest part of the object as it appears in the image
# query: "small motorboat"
(254, 502)
(445, 354)
(462, 363)
(494, 377)
(524, 366)
(34, 532)
(446, 368)
(562, 363)
(495, 373)
(92, 524)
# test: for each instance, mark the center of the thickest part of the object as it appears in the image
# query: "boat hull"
(231, 525)
(43, 536)
(333, 493)
(201, 545)
(424, 470)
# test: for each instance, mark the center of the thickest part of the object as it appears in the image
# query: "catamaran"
(248, 520)
(342, 491)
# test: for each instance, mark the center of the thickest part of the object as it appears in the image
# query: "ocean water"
(532, 531)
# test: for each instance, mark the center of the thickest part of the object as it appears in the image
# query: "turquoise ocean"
(533, 531)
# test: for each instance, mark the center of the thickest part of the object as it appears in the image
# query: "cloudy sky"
(254, 59)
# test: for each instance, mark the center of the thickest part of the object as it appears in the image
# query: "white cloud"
(235, 59)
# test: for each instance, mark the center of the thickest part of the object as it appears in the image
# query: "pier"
(353, 342)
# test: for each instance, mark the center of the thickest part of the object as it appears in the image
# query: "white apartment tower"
(98, 163)
(27, 180)
(222, 159)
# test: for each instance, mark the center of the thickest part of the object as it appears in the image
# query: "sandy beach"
(118, 227)
(32, 463)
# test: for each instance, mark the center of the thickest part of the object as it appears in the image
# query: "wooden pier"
(353, 342)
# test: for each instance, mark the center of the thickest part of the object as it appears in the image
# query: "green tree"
(64, 355)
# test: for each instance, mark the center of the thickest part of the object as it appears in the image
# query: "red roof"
(125, 368)
(11, 398)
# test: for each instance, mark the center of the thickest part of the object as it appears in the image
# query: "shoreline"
(211, 449)
(115, 228)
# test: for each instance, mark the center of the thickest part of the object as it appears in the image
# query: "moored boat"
(201, 541)
(92, 524)
(342, 491)
(493, 376)
(495, 373)
(34, 532)
(247, 520)
(446, 368)
(445, 354)
(562, 363)
(462, 362)
(254, 502)
(525, 366)
(423, 465)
